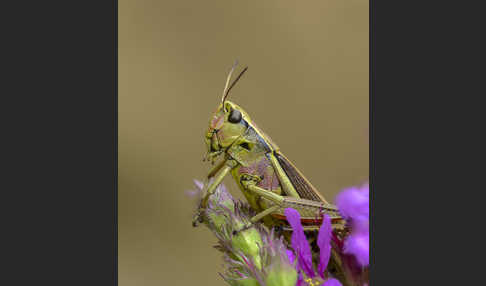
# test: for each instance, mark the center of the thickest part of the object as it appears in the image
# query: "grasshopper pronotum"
(268, 180)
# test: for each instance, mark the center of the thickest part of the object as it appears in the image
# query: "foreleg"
(225, 168)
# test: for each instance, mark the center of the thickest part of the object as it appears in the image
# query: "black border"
(426, 147)
(59, 143)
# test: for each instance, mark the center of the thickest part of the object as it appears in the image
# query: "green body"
(268, 180)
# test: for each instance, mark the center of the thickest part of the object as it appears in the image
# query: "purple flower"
(291, 256)
(299, 243)
(324, 243)
(332, 282)
(358, 245)
(303, 253)
(354, 205)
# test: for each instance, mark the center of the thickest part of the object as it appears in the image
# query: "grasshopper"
(268, 180)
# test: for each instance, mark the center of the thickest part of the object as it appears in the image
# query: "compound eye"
(234, 116)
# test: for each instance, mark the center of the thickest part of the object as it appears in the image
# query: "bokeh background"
(306, 86)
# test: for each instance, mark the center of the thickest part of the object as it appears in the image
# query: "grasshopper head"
(227, 124)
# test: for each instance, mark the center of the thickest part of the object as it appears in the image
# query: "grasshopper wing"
(303, 187)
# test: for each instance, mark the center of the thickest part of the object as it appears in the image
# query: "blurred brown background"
(306, 86)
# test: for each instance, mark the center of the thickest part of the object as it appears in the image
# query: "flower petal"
(324, 243)
(354, 203)
(358, 244)
(299, 242)
(199, 184)
(332, 282)
(291, 256)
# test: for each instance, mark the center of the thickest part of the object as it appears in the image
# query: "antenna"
(228, 78)
(226, 89)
